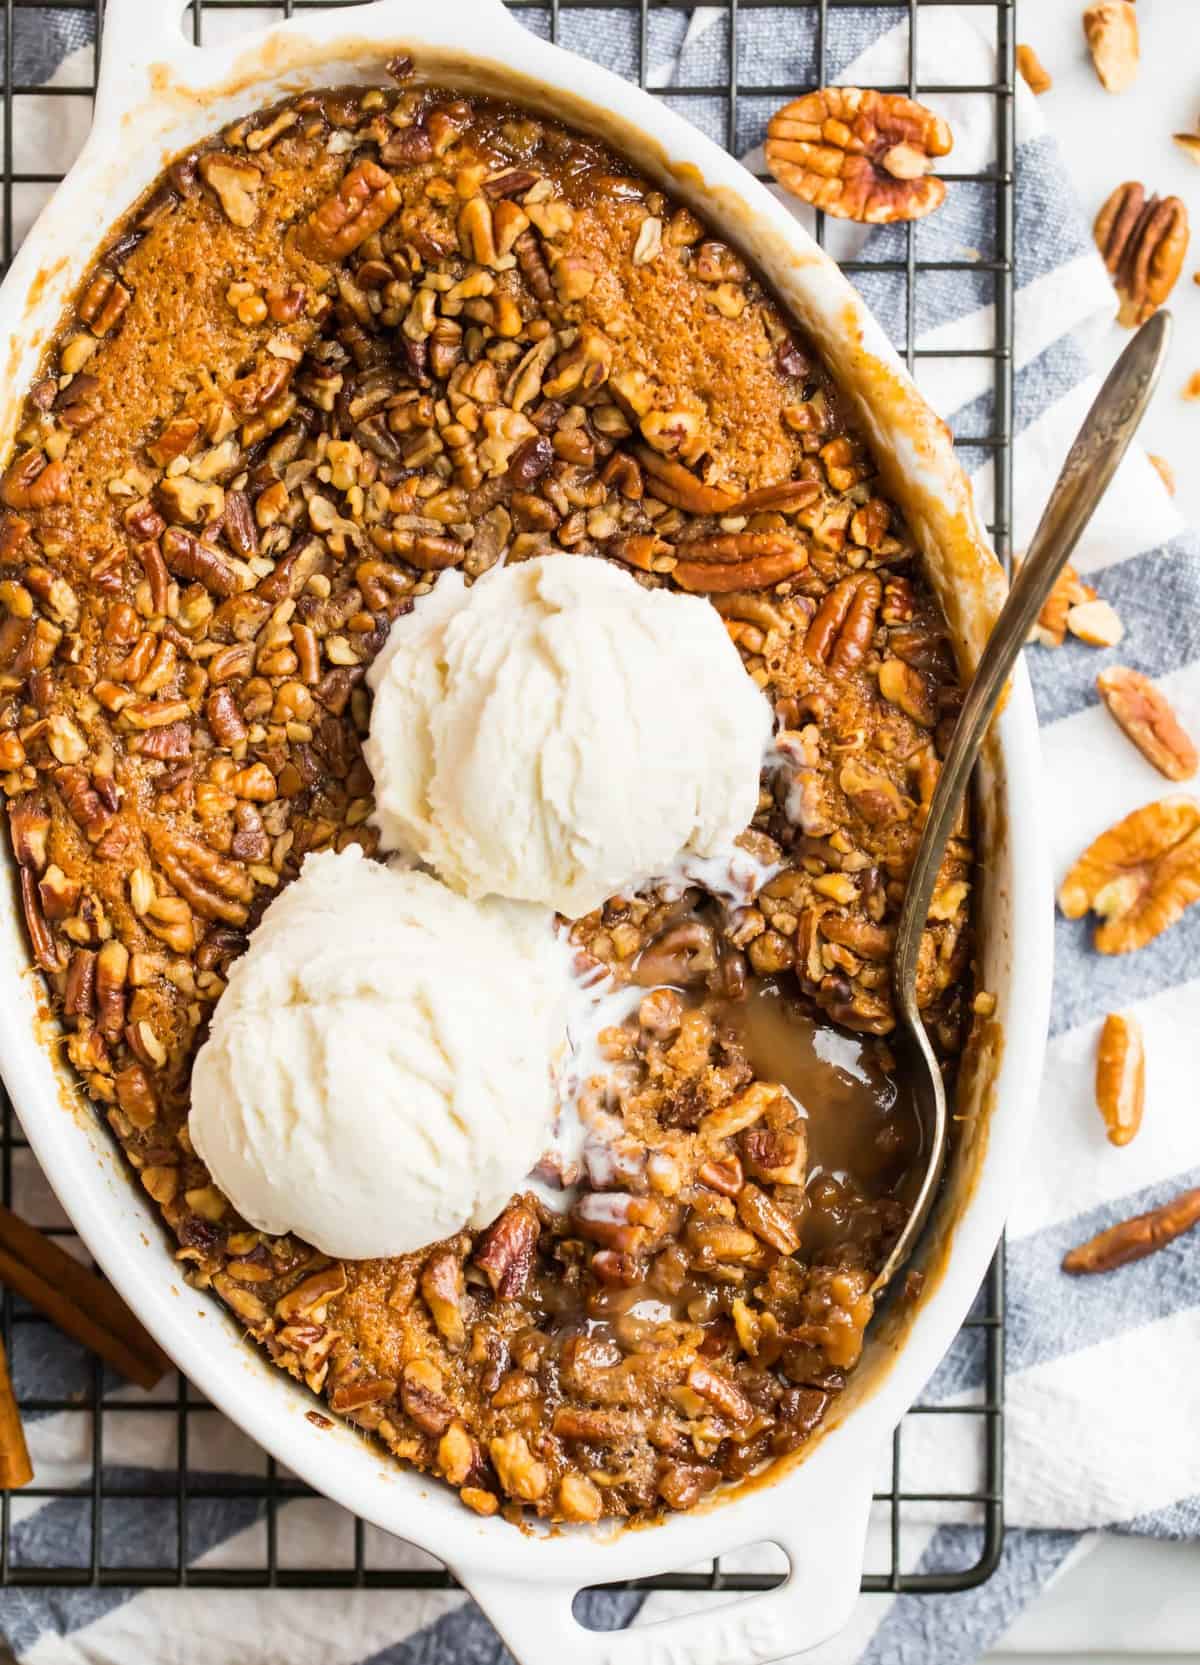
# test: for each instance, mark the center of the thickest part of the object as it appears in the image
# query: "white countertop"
(1127, 1599)
(1108, 139)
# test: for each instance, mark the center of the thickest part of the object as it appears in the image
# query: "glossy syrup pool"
(864, 1138)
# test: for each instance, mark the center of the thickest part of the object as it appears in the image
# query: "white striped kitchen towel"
(1103, 1374)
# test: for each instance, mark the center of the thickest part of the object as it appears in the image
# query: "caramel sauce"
(864, 1136)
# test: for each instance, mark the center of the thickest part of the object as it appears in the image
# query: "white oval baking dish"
(159, 93)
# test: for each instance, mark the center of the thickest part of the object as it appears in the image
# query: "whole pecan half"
(1143, 241)
(1139, 876)
(1145, 714)
(677, 486)
(785, 558)
(859, 154)
(366, 198)
(786, 497)
(1134, 1239)
(841, 631)
(188, 558)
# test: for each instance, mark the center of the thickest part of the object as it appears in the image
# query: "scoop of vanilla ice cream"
(378, 1069)
(556, 733)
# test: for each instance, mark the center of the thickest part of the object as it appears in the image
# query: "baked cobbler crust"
(360, 338)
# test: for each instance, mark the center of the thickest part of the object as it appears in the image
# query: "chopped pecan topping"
(365, 200)
(29, 824)
(506, 1251)
(423, 1400)
(859, 154)
(311, 1297)
(235, 182)
(521, 1475)
(443, 1291)
(466, 351)
(46, 951)
(187, 557)
(33, 482)
(1145, 714)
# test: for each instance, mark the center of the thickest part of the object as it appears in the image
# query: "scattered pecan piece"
(1143, 241)
(1139, 876)
(1095, 622)
(1163, 469)
(1069, 591)
(1189, 143)
(1121, 1077)
(1145, 714)
(859, 154)
(1033, 71)
(1134, 1239)
(1111, 32)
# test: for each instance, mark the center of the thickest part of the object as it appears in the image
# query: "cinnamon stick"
(79, 1302)
(15, 1467)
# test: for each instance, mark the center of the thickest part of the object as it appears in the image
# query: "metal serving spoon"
(1091, 463)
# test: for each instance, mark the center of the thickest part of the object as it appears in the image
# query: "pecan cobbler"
(356, 340)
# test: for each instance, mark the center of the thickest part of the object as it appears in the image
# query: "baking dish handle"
(825, 1554)
(139, 34)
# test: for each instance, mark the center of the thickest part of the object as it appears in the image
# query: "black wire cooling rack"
(104, 1485)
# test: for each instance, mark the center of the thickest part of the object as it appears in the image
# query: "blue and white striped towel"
(1104, 1374)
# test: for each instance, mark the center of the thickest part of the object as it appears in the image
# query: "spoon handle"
(1091, 463)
